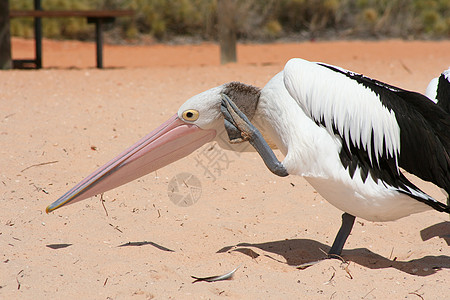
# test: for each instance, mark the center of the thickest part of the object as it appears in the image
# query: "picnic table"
(98, 17)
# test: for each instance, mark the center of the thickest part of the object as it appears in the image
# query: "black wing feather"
(424, 136)
(443, 93)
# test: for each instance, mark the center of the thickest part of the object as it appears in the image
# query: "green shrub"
(255, 19)
(273, 28)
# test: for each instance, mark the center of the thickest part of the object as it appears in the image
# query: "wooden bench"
(98, 17)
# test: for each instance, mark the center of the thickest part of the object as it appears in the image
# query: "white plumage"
(353, 109)
(312, 151)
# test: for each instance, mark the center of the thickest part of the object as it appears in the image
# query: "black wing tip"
(430, 201)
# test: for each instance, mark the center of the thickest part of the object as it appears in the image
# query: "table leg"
(99, 41)
(38, 36)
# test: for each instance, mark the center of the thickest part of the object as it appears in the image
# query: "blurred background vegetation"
(256, 20)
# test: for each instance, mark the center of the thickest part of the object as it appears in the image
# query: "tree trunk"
(5, 36)
(227, 30)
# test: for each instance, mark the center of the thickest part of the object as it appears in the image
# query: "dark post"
(38, 35)
(99, 37)
(98, 29)
(5, 37)
(227, 30)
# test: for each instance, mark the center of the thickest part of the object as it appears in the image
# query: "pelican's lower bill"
(171, 141)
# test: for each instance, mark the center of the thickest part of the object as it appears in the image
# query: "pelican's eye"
(190, 115)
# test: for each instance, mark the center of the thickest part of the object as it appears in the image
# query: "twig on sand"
(418, 295)
(368, 293)
(390, 255)
(17, 279)
(405, 67)
(332, 276)
(41, 164)
(307, 264)
(216, 278)
(103, 203)
(416, 292)
(116, 227)
(347, 270)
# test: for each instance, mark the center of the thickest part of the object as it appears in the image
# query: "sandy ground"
(60, 123)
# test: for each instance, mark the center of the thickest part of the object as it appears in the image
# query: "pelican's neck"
(282, 120)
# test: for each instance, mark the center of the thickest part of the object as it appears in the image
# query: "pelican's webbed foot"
(240, 129)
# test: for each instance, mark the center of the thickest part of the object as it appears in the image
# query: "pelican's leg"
(240, 129)
(346, 227)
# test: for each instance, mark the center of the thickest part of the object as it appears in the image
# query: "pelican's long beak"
(171, 141)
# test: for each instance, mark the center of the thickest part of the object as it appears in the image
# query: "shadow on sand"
(302, 251)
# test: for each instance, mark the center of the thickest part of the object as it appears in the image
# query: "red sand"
(60, 123)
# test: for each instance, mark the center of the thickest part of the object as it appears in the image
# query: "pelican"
(438, 90)
(346, 134)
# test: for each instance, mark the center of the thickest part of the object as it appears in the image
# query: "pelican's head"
(198, 121)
